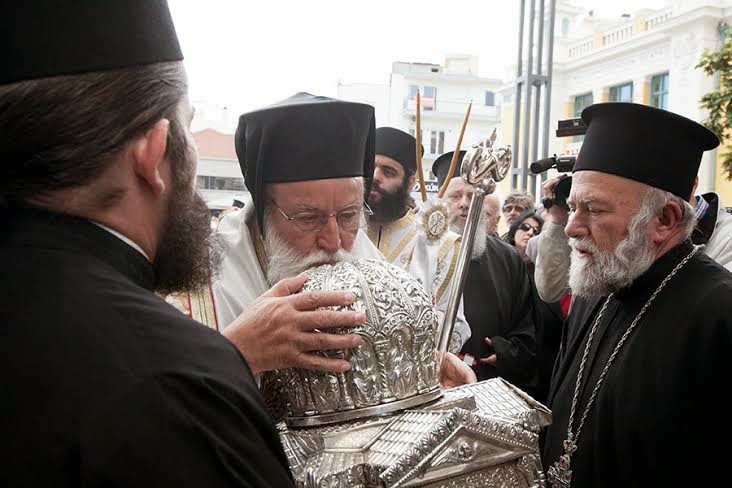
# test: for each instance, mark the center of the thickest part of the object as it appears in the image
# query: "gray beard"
(284, 262)
(606, 273)
(479, 243)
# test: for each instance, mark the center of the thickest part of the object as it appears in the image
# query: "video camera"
(563, 164)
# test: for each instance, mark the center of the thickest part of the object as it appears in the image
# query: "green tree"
(719, 102)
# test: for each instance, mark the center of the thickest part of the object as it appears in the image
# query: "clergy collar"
(658, 271)
(39, 228)
(124, 239)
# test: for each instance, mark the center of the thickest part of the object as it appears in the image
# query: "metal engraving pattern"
(456, 441)
(498, 398)
(394, 368)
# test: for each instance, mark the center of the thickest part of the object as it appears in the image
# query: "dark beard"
(392, 205)
(189, 253)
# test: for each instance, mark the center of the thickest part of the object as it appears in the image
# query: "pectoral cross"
(560, 474)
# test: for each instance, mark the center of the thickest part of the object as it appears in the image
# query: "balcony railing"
(619, 34)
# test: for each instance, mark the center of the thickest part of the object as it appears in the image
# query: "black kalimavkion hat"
(442, 165)
(44, 38)
(656, 147)
(398, 145)
(304, 137)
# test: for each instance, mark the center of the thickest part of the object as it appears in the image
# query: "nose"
(465, 201)
(329, 237)
(575, 226)
(377, 176)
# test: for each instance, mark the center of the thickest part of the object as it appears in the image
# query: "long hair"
(511, 236)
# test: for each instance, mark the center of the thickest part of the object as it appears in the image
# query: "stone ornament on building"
(395, 366)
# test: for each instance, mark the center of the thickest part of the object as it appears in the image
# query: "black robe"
(499, 304)
(659, 418)
(105, 384)
(549, 335)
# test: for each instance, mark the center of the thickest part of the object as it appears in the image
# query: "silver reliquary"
(387, 422)
(395, 366)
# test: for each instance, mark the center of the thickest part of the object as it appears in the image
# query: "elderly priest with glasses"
(304, 161)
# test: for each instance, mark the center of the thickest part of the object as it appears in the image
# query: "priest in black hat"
(104, 384)
(498, 299)
(303, 160)
(647, 350)
(395, 223)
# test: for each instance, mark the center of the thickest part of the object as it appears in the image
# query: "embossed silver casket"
(395, 366)
(387, 422)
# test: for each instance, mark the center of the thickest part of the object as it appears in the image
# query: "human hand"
(491, 358)
(455, 372)
(558, 214)
(281, 329)
(227, 211)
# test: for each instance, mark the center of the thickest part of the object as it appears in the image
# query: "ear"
(149, 152)
(667, 222)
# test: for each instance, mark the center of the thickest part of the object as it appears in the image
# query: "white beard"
(605, 273)
(479, 244)
(284, 262)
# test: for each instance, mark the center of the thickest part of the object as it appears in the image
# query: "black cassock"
(499, 304)
(105, 384)
(660, 418)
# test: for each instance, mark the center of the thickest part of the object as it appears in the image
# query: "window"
(621, 93)
(565, 27)
(413, 91)
(659, 91)
(437, 142)
(429, 98)
(581, 102)
(219, 183)
(490, 99)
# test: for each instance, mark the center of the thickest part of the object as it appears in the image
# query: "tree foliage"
(719, 102)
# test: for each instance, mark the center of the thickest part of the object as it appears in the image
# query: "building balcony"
(619, 34)
(452, 110)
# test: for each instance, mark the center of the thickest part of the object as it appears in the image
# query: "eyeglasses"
(349, 219)
(515, 208)
(526, 227)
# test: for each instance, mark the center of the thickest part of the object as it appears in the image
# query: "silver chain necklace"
(560, 474)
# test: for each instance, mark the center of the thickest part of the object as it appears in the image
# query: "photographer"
(552, 260)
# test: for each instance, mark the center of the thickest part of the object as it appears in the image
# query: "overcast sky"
(248, 54)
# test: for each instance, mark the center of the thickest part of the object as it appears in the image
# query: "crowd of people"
(612, 307)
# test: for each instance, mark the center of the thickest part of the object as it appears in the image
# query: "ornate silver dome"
(395, 366)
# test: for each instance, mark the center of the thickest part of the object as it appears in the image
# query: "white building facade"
(647, 57)
(445, 90)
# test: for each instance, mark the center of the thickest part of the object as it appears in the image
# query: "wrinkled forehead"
(598, 187)
(458, 184)
(317, 194)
